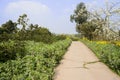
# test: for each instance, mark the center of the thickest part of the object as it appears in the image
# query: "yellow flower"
(118, 43)
(102, 42)
(85, 39)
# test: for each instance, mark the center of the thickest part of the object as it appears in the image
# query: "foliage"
(80, 14)
(107, 52)
(57, 37)
(88, 29)
(24, 54)
(8, 27)
(84, 26)
(22, 20)
(74, 37)
(117, 43)
(38, 64)
(38, 34)
(97, 24)
(11, 50)
(33, 32)
(8, 30)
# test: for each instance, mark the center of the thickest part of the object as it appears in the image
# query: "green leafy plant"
(11, 50)
(38, 63)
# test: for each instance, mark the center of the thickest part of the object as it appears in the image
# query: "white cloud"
(36, 11)
(41, 14)
(27, 6)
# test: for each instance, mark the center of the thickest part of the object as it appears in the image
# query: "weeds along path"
(80, 63)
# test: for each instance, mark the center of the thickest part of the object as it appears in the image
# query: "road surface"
(80, 63)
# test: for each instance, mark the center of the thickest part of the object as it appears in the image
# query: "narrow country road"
(80, 63)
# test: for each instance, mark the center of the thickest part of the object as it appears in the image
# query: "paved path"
(71, 67)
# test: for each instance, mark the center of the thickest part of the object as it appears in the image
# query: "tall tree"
(104, 20)
(80, 14)
(83, 26)
(22, 20)
(108, 19)
(88, 29)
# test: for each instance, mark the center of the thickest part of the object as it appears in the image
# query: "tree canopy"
(83, 26)
(80, 14)
(94, 25)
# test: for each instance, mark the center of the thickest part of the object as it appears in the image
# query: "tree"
(9, 27)
(106, 20)
(22, 20)
(8, 31)
(80, 14)
(109, 16)
(88, 29)
(83, 26)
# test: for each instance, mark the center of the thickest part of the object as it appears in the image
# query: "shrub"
(37, 64)
(11, 49)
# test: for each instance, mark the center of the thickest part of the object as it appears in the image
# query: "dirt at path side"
(71, 67)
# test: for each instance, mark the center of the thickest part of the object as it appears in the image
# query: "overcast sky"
(53, 14)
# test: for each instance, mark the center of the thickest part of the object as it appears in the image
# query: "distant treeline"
(10, 31)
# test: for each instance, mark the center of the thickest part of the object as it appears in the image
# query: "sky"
(52, 14)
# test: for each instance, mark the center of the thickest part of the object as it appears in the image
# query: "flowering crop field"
(38, 64)
(107, 52)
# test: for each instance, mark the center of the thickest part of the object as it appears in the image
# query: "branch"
(114, 4)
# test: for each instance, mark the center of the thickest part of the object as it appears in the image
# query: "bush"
(38, 64)
(74, 38)
(11, 49)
